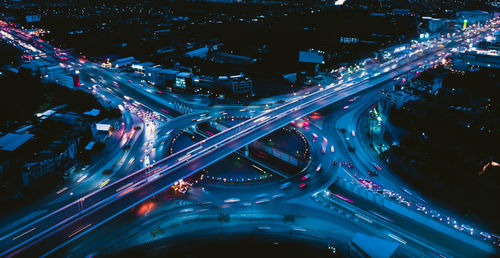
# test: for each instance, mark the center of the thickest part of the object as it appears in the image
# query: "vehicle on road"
(263, 200)
(306, 177)
(387, 193)
(434, 214)
(405, 202)
(277, 196)
(331, 247)
(467, 229)
(186, 210)
(318, 168)
(260, 196)
(485, 235)
(302, 185)
(452, 222)
(285, 185)
(231, 200)
(396, 196)
(421, 208)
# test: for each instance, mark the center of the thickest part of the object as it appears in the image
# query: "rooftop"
(12, 141)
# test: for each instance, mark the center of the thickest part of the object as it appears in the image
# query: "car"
(434, 214)
(302, 185)
(334, 162)
(485, 235)
(318, 168)
(372, 173)
(285, 185)
(366, 181)
(387, 193)
(421, 208)
(306, 177)
(452, 222)
(277, 196)
(405, 202)
(377, 167)
(332, 249)
(261, 196)
(85, 167)
(263, 200)
(396, 196)
(467, 229)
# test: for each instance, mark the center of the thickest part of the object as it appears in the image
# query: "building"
(102, 130)
(485, 54)
(200, 53)
(435, 24)
(310, 61)
(12, 147)
(203, 83)
(466, 18)
(160, 77)
(56, 157)
(152, 75)
(183, 80)
(141, 68)
(74, 119)
(33, 18)
(236, 61)
(53, 72)
(235, 85)
(123, 62)
(399, 97)
(363, 245)
(401, 12)
(489, 59)
(12, 141)
(58, 75)
(348, 40)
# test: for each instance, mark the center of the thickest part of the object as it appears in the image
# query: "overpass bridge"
(47, 234)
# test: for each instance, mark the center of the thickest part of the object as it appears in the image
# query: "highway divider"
(354, 187)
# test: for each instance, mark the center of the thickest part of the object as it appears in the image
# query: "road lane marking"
(23, 234)
(79, 230)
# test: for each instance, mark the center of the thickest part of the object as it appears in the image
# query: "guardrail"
(357, 189)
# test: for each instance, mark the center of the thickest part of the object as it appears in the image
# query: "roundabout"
(278, 156)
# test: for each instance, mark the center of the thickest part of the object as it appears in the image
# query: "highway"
(77, 218)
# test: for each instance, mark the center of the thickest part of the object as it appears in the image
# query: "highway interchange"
(125, 189)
